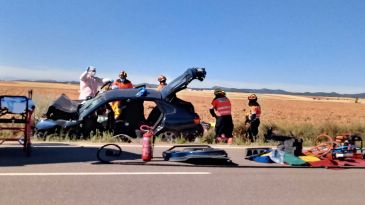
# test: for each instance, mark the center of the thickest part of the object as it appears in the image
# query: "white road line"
(102, 173)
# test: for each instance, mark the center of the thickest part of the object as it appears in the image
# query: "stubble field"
(302, 116)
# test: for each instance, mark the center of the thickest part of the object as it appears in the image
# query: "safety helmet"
(123, 74)
(162, 78)
(252, 97)
(219, 91)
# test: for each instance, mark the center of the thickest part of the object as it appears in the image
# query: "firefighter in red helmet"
(162, 80)
(253, 118)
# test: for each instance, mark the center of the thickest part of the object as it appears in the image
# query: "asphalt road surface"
(71, 174)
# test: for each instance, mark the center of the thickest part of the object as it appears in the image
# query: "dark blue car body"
(170, 114)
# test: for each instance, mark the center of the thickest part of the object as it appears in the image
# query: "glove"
(213, 113)
(106, 80)
(92, 68)
(252, 117)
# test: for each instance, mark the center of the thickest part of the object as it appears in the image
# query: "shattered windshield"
(89, 103)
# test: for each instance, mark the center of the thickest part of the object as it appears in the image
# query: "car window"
(152, 112)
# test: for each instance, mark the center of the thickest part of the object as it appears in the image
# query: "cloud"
(17, 73)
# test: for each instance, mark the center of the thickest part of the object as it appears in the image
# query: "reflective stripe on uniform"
(222, 106)
(255, 110)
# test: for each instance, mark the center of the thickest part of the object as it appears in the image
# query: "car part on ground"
(255, 151)
(289, 144)
(342, 151)
(196, 154)
(108, 153)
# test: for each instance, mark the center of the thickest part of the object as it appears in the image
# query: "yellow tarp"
(267, 154)
(309, 158)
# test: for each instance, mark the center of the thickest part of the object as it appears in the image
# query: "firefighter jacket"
(122, 85)
(222, 106)
(255, 113)
(160, 86)
(116, 105)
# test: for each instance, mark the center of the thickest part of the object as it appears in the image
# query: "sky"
(295, 45)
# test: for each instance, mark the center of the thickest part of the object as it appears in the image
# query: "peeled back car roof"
(131, 93)
(114, 95)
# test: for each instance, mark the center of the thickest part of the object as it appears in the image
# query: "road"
(59, 173)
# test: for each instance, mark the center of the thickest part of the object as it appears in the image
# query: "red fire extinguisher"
(147, 143)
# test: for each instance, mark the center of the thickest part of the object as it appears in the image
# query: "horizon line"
(206, 88)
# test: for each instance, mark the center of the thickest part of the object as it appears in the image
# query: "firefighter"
(253, 118)
(221, 110)
(162, 80)
(122, 82)
(89, 83)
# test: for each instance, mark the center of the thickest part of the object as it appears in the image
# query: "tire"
(170, 136)
(191, 135)
(108, 152)
(38, 134)
(123, 138)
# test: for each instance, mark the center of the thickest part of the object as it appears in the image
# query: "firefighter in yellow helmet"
(253, 118)
(122, 82)
(221, 110)
(162, 80)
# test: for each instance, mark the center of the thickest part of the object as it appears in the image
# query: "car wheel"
(123, 138)
(192, 135)
(40, 135)
(169, 136)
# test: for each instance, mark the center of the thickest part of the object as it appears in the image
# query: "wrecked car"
(169, 116)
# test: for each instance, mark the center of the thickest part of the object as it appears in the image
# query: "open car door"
(182, 82)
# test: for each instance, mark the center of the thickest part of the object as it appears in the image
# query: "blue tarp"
(16, 105)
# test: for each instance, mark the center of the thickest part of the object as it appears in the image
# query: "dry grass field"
(304, 116)
(284, 108)
(41, 90)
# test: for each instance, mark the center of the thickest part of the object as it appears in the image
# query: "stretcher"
(16, 120)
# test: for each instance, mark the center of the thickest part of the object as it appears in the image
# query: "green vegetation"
(307, 131)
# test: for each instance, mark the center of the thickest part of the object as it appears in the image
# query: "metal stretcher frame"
(18, 123)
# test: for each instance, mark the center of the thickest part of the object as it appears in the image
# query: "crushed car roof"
(114, 95)
(166, 93)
